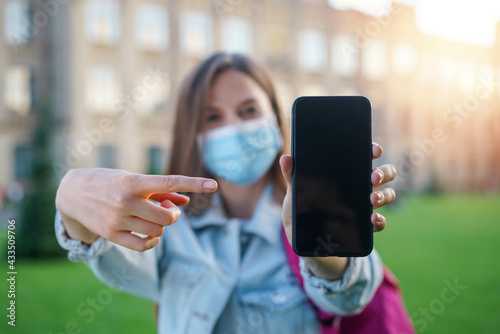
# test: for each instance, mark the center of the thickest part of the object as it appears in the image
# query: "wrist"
(75, 230)
(330, 268)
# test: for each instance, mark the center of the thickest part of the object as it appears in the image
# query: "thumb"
(176, 199)
(286, 163)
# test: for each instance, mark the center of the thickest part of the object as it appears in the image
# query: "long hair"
(185, 156)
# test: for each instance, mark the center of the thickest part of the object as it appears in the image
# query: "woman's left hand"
(380, 197)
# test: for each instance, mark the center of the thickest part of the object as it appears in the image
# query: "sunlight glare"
(459, 21)
(469, 22)
(372, 7)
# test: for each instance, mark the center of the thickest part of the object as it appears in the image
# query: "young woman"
(217, 264)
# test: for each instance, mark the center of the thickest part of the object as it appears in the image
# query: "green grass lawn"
(433, 239)
(429, 240)
(49, 297)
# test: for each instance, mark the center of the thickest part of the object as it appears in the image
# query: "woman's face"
(234, 97)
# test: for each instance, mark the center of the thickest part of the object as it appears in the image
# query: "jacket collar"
(265, 222)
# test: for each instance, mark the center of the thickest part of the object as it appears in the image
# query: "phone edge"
(294, 245)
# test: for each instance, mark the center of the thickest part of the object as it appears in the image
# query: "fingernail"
(379, 218)
(381, 175)
(209, 184)
(380, 197)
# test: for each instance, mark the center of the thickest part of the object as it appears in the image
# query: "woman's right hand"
(112, 203)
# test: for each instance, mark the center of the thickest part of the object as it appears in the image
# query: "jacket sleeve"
(350, 294)
(117, 266)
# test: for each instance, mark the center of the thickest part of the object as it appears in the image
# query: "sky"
(463, 21)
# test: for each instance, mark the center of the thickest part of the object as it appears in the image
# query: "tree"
(36, 236)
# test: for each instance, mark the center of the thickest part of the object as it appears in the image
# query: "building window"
(196, 34)
(404, 59)
(103, 25)
(156, 160)
(103, 89)
(17, 89)
(107, 156)
(312, 50)
(151, 93)
(151, 28)
(23, 157)
(345, 55)
(237, 35)
(375, 60)
(17, 25)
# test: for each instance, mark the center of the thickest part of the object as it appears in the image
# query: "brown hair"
(185, 156)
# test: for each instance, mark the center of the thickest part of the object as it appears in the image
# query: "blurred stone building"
(109, 71)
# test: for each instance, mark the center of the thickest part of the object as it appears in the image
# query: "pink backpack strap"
(327, 325)
(385, 313)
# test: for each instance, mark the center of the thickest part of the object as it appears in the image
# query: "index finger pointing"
(147, 184)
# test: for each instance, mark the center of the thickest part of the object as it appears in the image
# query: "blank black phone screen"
(331, 148)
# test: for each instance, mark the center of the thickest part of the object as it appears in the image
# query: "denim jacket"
(214, 274)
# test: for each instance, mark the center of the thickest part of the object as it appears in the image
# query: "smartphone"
(332, 166)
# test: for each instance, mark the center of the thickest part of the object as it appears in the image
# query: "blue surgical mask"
(241, 153)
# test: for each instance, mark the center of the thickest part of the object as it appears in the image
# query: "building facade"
(109, 71)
